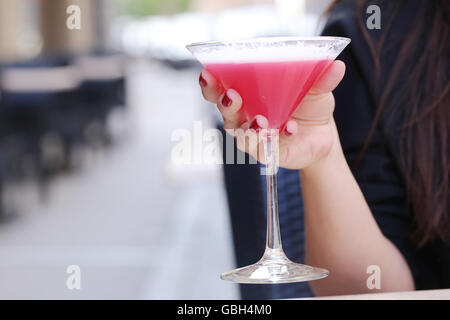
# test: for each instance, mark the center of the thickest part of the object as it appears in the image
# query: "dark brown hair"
(424, 98)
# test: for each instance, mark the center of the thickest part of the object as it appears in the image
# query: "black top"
(378, 175)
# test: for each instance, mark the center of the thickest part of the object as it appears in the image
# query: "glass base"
(270, 271)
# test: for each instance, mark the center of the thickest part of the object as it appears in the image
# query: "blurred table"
(443, 294)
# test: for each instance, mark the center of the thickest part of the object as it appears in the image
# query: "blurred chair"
(46, 107)
(102, 89)
(246, 193)
(37, 97)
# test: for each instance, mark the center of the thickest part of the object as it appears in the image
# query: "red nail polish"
(254, 125)
(202, 81)
(286, 132)
(226, 101)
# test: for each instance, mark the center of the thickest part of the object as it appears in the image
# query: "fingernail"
(287, 132)
(202, 81)
(254, 124)
(226, 101)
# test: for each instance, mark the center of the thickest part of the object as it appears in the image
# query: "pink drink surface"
(272, 89)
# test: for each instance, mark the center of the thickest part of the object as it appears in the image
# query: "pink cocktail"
(271, 89)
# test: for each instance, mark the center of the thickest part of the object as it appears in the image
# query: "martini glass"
(272, 75)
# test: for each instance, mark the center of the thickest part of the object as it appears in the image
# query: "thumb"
(318, 105)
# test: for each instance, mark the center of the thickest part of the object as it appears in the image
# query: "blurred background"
(86, 120)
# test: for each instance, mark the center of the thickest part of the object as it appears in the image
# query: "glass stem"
(273, 242)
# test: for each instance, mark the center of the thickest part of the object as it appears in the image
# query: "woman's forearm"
(342, 234)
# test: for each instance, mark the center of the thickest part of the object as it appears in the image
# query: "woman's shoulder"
(371, 55)
(344, 20)
(373, 25)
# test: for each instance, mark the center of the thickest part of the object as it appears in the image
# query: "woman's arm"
(341, 232)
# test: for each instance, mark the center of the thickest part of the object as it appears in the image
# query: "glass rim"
(265, 40)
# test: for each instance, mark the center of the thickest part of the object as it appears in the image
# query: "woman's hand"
(310, 134)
